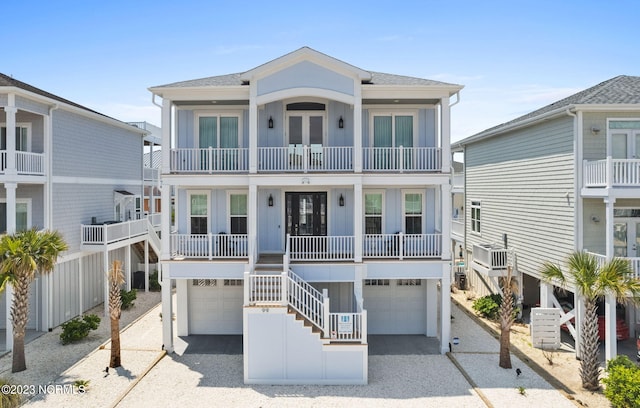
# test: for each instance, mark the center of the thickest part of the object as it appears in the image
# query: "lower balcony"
(27, 163)
(491, 260)
(635, 262)
(209, 246)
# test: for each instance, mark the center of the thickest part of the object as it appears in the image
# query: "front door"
(626, 238)
(306, 214)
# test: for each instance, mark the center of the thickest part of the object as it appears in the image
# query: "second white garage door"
(215, 308)
(395, 306)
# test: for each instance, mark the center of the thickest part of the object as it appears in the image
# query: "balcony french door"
(625, 144)
(626, 238)
(305, 129)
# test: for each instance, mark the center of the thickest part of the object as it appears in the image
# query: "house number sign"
(345, 323)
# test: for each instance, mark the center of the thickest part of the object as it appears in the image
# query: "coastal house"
(68, 168)
(312, 209)
(562, 178)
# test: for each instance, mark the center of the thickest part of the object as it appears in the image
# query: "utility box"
(461, 281)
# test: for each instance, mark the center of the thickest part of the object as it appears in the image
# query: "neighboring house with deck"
(68, 168)
(312, 208)
(565, 177)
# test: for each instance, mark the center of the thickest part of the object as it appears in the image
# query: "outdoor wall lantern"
(595, 130)
(270, 122)
(341, 201)
(341, 123)
(270, 200)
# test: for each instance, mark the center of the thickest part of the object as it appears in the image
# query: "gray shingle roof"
(221, 80)
(380, 78)
(6, 80)
(622, 89)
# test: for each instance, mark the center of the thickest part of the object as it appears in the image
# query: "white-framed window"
(233, 282)
(205, 282)
(373, 212)
(23, 214)
(393, 129)
(412, 212)
(198, 212)
(409, 282)
(23, 137)
(476, 207)
(238, 212)
(376, 282)
(219, 129)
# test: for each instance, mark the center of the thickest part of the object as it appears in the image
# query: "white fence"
(209, 160)
(402, 245)
(103, 234)
(305, 158)
(545, 328)
(402, 158)
(612, 173)
(321, 248)
(491, 257)
(209, 246)
(27, 163)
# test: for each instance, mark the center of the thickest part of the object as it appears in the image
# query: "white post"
(609, 204)
(358, 226)
(400, 238)
(546, 293)
(247, 288)
(446, 200)
(610, 341)
(127, 266)
(578, 306)
(609, 172)
(445, 308)
(252, 200)
(284, 288)
(363, 335)
(11, 205)
(253, 128)
(445, 135)
(105, 260)
(357, 129)
(11, 139)
(167, 310)
(146, 265)
(8, 299)
(325, 313)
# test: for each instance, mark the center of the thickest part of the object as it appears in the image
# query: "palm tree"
(116, 279)
(506, 321)
(593, 281)
(23, 256)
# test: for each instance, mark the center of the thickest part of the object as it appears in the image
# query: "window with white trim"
(376, 282)
(198, 213)
(205, 282)
(475, 216)
(409, 282)
(413, 213)
(23, 137)
(238, 213)
(233, 282)
(23, 215)
(373, 213)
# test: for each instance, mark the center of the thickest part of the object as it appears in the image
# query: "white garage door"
(395, 306)
(215, 306)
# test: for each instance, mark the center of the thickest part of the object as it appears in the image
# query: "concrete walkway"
(468, 377)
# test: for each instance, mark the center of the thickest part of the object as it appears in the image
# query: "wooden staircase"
(138, 248)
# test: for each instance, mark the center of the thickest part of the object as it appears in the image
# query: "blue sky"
(511, 56)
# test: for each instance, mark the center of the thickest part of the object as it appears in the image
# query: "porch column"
(8, 299)
(182, 308)
(253, 128)
(546, 294)
(445, 134)
(11, 205)
(105, 260)
(445, 308)
(357, 222)
(609, 204)
(357, 129)
(432, 307)
(165, 222)
(146, 265)
(167, 309)
(11, 137)
(253, 224)
(127, 267)
(445, 217)
(166, 136)
(610, 340)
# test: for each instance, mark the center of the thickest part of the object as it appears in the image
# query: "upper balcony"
(610, 173)
(305, 159)
(26, 163)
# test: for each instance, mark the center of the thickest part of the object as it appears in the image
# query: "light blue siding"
(32, 106)
(306, 75)
(83, 146)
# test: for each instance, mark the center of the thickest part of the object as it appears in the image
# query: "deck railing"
(634, 261)
(400, 246)
(348, 327)
(27, 163)
(402, 159)
(104, 234)
(612, 173)
(209, 246)
(305, 158)
(491, 257)
(209, 160)
(321, 248)
(457, 226)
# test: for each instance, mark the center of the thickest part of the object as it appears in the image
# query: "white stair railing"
(307, 301)
(154, 239)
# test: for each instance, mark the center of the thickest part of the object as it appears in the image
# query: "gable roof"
(368, 78)
(619, 90)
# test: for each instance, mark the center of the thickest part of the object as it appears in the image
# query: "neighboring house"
(565, 177)
(65, 167)
(308, 188)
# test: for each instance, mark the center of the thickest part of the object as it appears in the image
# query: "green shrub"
(154, 285)
(488, 306)
(623, 383)
(127, 298)
(77, 329)
(8, 399)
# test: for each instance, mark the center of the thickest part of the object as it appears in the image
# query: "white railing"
(400, 246)
(154, 239)
(348, 327)
(307, 301)
(109, 233)
(458, 180)
(305, 158)
(612, 173)
(209, 160)
(321, 248)
(491, 257)
(209, 246)
(635, 262)
(264, 289)
(402, 158)
(150, 174)
(457, 226)
(155, 219)
(27, 163)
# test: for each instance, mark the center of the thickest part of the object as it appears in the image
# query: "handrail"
(303, 298)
